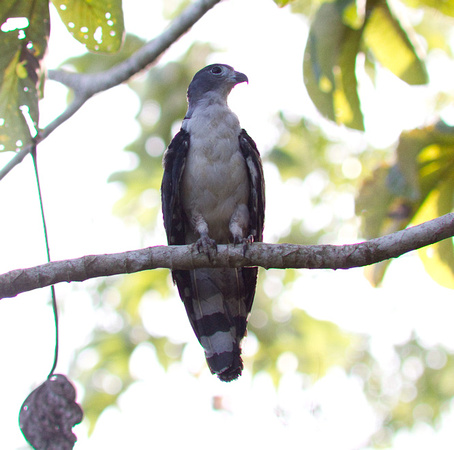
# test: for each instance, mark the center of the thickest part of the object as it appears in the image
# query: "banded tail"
(218, 304)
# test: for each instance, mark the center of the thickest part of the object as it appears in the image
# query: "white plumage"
(215, 186)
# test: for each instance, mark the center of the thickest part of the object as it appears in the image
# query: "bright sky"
(174, 407)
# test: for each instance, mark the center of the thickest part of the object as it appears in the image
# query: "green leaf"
(94, 63)
(445, 7)
(393, 46)
(24, 31)
(329, 65)
(98, 24)
(373, 204)
(337, 33)
(418, 188)
(282, 3)
(438, 259)
(425, 159)
(382, 212)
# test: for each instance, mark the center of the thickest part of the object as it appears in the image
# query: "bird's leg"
(204, 244)
(207, 245)
(238, 226)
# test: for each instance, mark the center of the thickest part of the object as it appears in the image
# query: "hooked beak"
(239, 77)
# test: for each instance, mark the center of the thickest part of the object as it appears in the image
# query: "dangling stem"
(52, 289)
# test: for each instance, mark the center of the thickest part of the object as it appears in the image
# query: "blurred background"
(355, 145)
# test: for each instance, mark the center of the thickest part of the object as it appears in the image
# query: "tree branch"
(277, 256)
(87, 85)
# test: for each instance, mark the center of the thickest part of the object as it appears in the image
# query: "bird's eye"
(216, 70)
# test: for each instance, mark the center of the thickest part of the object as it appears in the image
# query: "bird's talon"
(245, 242)
(207, 246)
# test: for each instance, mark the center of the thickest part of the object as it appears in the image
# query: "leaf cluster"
(340, 32)
(24, 32)
(416, 188)
(24, 43)
(377, 35)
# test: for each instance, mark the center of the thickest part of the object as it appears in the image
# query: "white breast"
(215, 180)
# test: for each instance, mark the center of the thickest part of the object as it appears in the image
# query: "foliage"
(416, 188)
(339, 32)
(98, 24)
(282, 330)
(25, 27)
(24, 43)
(416, 388)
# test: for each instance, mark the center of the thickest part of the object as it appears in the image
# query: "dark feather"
(257, 183)
(174, 162)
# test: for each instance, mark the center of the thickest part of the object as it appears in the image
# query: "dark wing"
(174, 162)
(256, 206)
(256, 203)
(174, 217)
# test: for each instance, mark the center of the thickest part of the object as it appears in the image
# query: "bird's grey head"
(215, 78)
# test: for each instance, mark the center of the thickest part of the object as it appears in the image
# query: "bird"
(213, 193)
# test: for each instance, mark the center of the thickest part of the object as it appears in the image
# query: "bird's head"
(215, 78)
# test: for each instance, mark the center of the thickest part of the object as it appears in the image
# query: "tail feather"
(218, 302)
